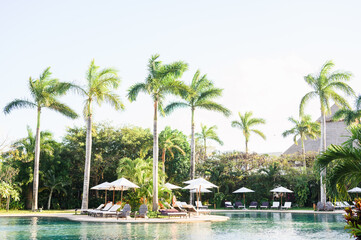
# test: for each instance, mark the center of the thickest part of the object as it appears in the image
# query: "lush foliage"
(353, 219)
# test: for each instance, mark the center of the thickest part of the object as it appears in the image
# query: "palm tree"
(245, 124)
(350, 116)
(208, 133)
(200, 94)
(168, 144)
(44, 92)
(325, 85)
(161, 80)
(345, 160)
(53, 183)
(303, 128)
(100, 83)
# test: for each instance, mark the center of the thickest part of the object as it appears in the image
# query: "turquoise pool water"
(240, 226)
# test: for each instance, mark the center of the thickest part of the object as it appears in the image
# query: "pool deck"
(192, 219)
(86, 218)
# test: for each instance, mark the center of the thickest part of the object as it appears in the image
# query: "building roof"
(336, 133)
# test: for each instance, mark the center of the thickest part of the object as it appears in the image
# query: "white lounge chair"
(87, 210)
(287, 205)
(228, 205)
(199, 205)
(275, 205)
(111, 212)
(106, 208)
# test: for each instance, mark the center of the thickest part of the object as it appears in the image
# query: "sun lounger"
(87, 210)
(287, 205)
(111, 212)
(239, 205)
(253, 205)
(143, 210)
(95, 212)
(191, 209)
(125, 213)
(264, 205)
(275, 205)
(228, 205)
(346, 204)
(179, 206)
(172, 213)
(199, 205)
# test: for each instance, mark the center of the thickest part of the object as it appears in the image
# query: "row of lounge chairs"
(110, 210)
(342, 205)
(254, 205)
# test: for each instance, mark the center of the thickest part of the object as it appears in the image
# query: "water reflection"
(34, 228)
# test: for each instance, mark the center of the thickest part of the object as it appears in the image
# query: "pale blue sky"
(258, 51)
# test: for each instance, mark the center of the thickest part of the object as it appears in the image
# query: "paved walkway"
(278, 211)
(86, 218)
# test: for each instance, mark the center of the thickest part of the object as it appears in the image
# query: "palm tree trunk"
(155, 157)
(205, 149)
(8, 203)
(246, 146)
(84, 203)
(49, 200)
(323, 148)
(193, 154)
(36, 164)
(303, 153)
(163, 159)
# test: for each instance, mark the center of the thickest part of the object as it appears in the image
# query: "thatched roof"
(336, 133)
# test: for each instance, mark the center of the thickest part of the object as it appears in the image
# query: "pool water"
(253, 225)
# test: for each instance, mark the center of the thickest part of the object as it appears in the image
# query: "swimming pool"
(252, 225)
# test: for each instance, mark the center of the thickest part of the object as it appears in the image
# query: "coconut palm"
(44, 92)
(161, 81)
(100, 83)
(245, 123)
(200, 94)
(325, 86)
(345, 160)
(208, 133)
(303, 129)
(350, 116)
(168, 144)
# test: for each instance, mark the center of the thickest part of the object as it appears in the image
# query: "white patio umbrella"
(122, 184)
(281, 190)
(171, 186)
(203, 190)
(356, 190)
(243, 190)
(198, 184)
(103, 186)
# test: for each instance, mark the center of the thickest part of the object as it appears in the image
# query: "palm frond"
(134, 90)
(114, 100)
(173, 106)
(213, 106)
(304, 100)
(18, 103)
(63, 109)
(258, 132)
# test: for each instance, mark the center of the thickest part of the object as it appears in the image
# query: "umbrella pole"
(281, 199)
(113, 195)
(244, 200)
(105, 197)
(121, 196)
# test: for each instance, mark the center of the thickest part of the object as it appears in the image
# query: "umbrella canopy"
(355, 190)
(171, 186)
(243, 190)
(199, 182)
(122, 184)
(102, 186)
(281, 190)
(202, 190)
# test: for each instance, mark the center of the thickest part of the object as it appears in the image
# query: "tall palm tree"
(325, 86)
(99, 88)
(303, 129)
(245, 123)
(161, 81)
(168, 144)
(346, 162)
(44, 92)
(200, 94)
(350, 116)
(208, 133)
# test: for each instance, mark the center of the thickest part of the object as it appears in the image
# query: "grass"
(4, 212)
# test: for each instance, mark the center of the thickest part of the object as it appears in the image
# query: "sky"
(257, 51)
